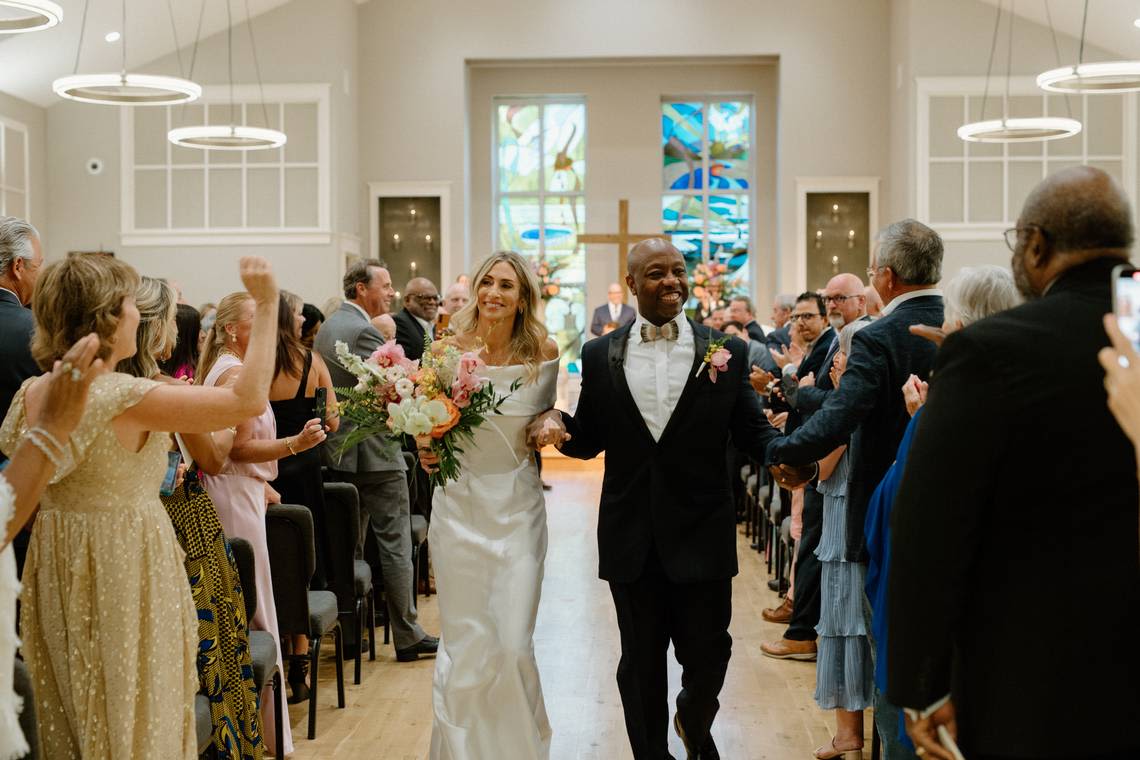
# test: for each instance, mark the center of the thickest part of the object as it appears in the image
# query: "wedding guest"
(103, 545)
(330, 307)
(225, 671)
(973, 294)
(416, 321)
(23, 481)
(21, 259)
(184, 354)
(843, 675)
(716, 319)
(1001, 407)
(455, 298)
(614, 310)
(313, 320)
(782, 307)
(206, 313)
(241, 490)
(740, 309)
(375, 466)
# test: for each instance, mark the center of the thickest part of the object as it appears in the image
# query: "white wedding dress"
(488, 545)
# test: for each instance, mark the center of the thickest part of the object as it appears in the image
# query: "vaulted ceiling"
(1109, 23)
(29, 62)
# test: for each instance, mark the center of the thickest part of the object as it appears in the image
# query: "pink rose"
(720, 359)
(389, 354)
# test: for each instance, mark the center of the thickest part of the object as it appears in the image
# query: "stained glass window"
(706, 152)
(540, 174)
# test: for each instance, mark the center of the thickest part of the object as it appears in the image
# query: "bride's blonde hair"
(528, 334)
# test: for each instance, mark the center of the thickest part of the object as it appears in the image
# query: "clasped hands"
(547, 429)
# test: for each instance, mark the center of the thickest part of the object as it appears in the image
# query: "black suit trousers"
(651, 612)
(805, 606)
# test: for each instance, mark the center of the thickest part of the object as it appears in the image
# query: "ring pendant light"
(232, 137)
(1019, 129)
(34, 16)
(1091, 78)
(124, 89)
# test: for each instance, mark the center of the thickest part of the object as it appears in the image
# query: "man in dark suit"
(615, 312)
(667, 522)
(20, 262)
(868, 410)
(414, 323)
(781, 337)
(1019, 490)
(375, 466)
(740, 310)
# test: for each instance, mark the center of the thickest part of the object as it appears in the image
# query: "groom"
(667, 523)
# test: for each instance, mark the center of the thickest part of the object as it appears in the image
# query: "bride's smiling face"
(498, 292)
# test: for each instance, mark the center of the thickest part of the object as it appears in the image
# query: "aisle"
(766, 712)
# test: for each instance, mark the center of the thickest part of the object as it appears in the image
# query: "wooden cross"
(622, 238)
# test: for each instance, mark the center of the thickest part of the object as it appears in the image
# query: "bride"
(488, 534)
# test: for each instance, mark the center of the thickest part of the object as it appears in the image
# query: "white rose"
(436, 412)
(418, 424)
(405, 387)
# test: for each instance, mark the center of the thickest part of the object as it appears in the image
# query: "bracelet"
(52, 449)
(289, 445)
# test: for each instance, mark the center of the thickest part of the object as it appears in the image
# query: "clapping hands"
(793, 355)
(914, 393)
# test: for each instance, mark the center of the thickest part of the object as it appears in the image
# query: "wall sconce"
(819, 238)
(835, 212)
(850, 238)
(396, 241)
(397, 296)
(835, 264)
(412, 214)
(412, 267)
(427, 242)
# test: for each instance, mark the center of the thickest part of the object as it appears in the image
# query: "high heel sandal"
(298, 681)
(831, 752)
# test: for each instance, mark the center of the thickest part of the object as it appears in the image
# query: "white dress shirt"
(657, 372)
(615, 311)
(894, 304)
(424, 325)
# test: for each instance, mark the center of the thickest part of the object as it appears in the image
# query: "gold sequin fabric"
(225, 672)
(108, 622)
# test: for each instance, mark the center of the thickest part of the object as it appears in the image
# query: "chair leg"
(371, 628)
(338, 649)
(358, 624)
(314, 658)
(278, 719)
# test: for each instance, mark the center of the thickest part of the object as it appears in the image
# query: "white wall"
(34, 118)
(833, 107)
(301, 42)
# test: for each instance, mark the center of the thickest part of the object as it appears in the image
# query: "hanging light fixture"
(232, 136)
(35, 15)
(124, 89)
(1023, 129)
(1091, 78)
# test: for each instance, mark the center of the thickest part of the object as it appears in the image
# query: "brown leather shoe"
(781, 614)
(789, 649)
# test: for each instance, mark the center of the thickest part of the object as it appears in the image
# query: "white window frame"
(10, 125)
(706, 99)
(246, 97)
(928, 87)
(497, 194)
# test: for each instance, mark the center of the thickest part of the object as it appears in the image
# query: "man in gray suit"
(375, 466)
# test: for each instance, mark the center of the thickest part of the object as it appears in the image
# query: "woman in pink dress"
(241, 491)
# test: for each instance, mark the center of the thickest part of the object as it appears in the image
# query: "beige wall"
(34, 118)
(623, 154)
(304, 41)
(833, 108)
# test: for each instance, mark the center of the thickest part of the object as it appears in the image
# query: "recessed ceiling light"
(112, 37)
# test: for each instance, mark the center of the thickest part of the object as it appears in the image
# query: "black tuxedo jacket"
(409, 334)
(868, 407)
(1019, 491)
(779, 338)
(16, 362)
(673, 494)
(755, 331)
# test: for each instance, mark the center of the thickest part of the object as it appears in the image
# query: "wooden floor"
(766, 711)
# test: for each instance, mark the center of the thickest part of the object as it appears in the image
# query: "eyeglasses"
(426, 299)
(840, 299)
(800, 317)
(1011, 234)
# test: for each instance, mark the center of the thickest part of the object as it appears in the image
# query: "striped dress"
(844, 676)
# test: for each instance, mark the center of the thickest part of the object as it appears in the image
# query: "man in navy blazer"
(20, 262)
(613, 311)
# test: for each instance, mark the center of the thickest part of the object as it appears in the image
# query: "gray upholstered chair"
(262, 645)
(349, 578)
(418, 525)
(300, 611)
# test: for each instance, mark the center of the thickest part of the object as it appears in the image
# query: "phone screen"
(1126, 302)
(320, 408)
(173, 459)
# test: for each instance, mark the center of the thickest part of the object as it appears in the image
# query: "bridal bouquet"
(444, 396)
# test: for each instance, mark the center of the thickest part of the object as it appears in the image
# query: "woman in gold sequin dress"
(108, 622)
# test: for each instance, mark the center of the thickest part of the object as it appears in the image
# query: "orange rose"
(453, 417)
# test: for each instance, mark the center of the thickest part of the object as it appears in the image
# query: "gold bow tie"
(668, 331)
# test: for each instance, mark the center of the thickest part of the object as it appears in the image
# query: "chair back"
(342, 521)
(292, 560)
(247, 573)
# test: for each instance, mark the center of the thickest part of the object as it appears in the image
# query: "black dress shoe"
(708, 750)
(428, 645)
(778, 585)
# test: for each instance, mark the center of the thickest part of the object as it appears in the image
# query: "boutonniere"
(716, 359)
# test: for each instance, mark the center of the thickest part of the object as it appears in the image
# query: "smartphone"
(1126, 302)
(173, 459)
(321, 406)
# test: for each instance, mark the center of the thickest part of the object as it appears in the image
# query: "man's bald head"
(643, 250)
(1079, 209)
(421, 298)
(658, 278)
(844, 300)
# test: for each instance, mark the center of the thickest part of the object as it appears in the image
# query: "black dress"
(299, 476)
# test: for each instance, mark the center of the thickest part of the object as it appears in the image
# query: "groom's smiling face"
(657, 276)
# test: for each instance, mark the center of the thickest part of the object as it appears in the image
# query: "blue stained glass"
(682, 134)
